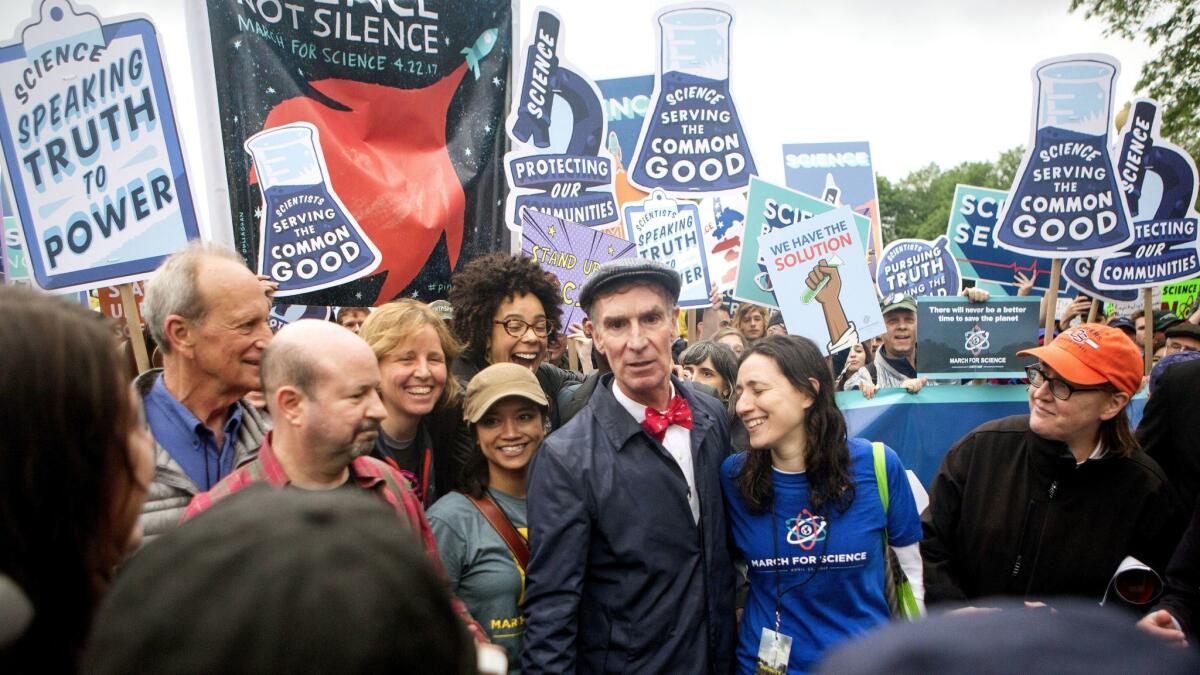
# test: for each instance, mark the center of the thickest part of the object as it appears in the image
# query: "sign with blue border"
(93, 156)
(668, 231)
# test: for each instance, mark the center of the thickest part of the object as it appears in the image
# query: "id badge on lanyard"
(774, 648)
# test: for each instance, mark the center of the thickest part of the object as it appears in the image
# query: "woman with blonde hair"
(423, 436)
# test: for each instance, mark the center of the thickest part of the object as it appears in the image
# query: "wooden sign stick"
(1094, 310)
(133, 322)
(1148, 331)
(693, 338)
(1052, 299)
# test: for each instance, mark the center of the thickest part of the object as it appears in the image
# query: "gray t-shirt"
(483, 573)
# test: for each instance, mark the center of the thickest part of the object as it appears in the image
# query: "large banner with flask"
(363, 141)
(91, 149)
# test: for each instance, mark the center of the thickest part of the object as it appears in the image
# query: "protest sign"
(626, 101)
(692, 142)
(917, 267)
(769, 208)
(668, 231)
(112, 304)
(1180, 298)
(571, 252)
(406, 102)
(1066, 198)
(963, 339)
(281, 315)
(92, 154)
(560, 164)
(841, 174)
(1160, 190)
(971, 231)
(822, 282)
(723, 219)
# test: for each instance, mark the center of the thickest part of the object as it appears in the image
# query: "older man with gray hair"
(207, 312)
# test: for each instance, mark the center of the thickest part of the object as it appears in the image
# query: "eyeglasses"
(517, 327)
(1059, 388)
(1174, 348)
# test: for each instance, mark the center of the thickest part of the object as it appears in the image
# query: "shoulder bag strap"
(503, 527)
(881, 473)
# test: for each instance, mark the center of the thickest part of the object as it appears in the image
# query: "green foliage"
(918, 205)
(1172, 77)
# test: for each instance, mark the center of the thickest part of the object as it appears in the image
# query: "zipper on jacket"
(1051, 493)
(1016, 568)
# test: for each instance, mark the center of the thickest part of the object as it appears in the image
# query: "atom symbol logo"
(977, 340)
(806, 529)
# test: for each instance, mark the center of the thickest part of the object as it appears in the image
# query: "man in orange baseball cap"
(1049, 504)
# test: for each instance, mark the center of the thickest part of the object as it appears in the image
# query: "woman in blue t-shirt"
(805, 513)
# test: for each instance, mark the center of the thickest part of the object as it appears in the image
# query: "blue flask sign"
(1160, 189)
(1066, 201)
(308, 239)
(692, 141)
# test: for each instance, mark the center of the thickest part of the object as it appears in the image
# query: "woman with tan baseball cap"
(1050, 503)
(481, 530)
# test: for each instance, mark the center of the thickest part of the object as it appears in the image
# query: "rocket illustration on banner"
(481, 48)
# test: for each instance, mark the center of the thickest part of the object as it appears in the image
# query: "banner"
(963, 339)
(771, 207)
(91, 149)
(559, 164)
(1160, 190)
(917, 267)
(823, 284)
(570, 252)
(405, 103)
(692, 142)
(668, 231)
(1066, 199)
(841, 174)
(903, 421)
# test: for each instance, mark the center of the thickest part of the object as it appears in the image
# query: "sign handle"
(1052, 298)
(133, 322)
(1148, 331)
(693, 338)
(572, 355)
(1094, 311)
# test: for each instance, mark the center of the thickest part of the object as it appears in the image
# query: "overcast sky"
(921, 80)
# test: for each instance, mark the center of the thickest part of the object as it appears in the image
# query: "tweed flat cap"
(629, 269)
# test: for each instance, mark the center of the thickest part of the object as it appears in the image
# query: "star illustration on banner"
(358, 296)
(487, 128)
(270, 90)
(237, 44)
(467, 152)
(497, 81)
(235, 119)
(611, 250)
(446, 40)
(258, 213)
(550, 230)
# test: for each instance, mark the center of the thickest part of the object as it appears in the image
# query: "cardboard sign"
(769, 208)
(92, 153)
(1181, 298)
(917, 267)
(963, 339)
(560, 164)
(1066, 199)
(822, 282)
(692, 142)
(1160, 189)
(723, 219)
(571, 252)
(668, 231)
(841, 174)
(408, 101)
(971, 231)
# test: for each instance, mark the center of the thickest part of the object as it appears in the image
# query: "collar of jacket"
(1056, 455)
(620, 427)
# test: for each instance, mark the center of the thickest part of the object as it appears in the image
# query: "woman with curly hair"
(423, 435)
(507, 310)
(806, 512)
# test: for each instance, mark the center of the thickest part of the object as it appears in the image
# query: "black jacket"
(622, 579)
(1010, 513)
(1182, 595)
(1168, 432)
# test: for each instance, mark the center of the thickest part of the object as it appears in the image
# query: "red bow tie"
(678, 412)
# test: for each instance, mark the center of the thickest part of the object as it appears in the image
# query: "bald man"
(320, 381)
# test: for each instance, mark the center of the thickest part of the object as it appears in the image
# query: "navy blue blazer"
(622, 579)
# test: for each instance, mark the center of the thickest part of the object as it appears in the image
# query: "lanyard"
(424, 478)
(775, 545)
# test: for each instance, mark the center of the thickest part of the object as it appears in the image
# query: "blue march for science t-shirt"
(837, 557)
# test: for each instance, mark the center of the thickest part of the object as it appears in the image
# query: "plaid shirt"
(368, 474)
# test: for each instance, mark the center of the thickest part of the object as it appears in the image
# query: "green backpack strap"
(881, 473)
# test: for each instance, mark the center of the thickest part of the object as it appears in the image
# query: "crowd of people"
(667, 505)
